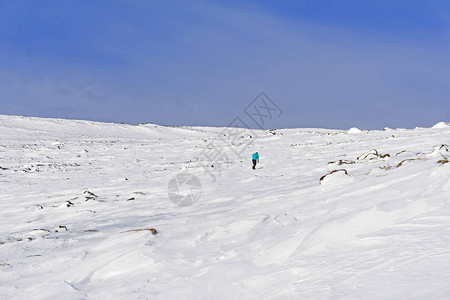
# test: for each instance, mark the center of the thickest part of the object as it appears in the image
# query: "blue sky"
(332, 64)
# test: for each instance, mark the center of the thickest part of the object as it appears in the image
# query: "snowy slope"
(70, 190)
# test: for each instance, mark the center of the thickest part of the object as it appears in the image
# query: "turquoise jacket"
(255, 156)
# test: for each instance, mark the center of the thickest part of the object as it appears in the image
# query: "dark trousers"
(254, 163)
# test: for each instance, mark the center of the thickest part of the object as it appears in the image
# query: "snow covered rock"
(271, 132)
(354, 130)
(441, 125)
(438, 151)
(336, 177)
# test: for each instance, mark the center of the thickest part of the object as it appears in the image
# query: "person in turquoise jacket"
(255, 158)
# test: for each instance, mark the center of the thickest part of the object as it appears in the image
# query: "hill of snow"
(326, 214)
(441, 125)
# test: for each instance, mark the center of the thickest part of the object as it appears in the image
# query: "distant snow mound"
(441, 125)
(354, 130)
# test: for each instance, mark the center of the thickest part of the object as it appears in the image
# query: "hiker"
(255, 159)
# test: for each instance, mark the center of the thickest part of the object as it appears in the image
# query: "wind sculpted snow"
(327, 214)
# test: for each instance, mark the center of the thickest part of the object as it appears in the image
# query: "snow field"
(378, 228)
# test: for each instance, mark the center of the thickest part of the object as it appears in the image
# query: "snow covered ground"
(378, 228)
